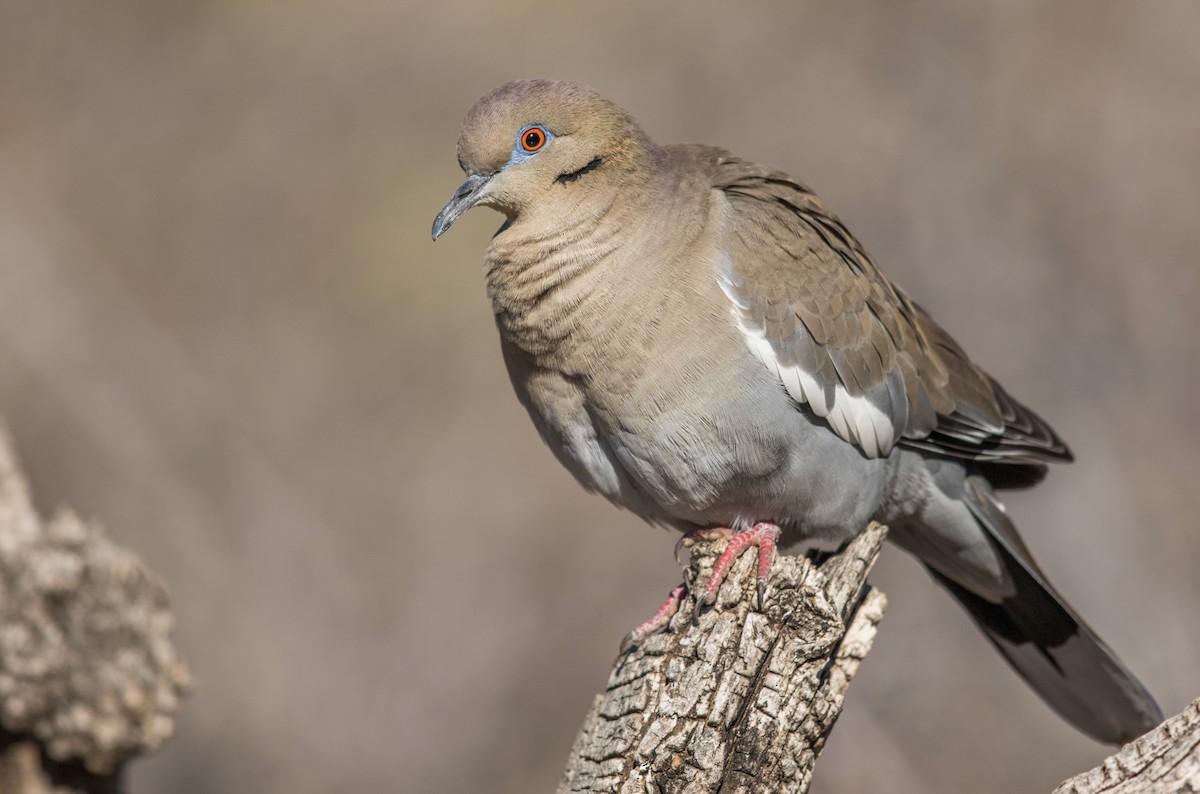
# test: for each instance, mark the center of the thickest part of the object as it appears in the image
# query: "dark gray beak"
(467, 195)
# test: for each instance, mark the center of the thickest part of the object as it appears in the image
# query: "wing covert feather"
(848, 342)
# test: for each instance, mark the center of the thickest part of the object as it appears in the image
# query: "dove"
(700, 340)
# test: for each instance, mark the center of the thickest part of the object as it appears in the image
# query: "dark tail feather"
(1049, 645)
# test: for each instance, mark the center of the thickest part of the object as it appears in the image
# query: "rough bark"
(742, 700)
(1164, 761)
(89, 676)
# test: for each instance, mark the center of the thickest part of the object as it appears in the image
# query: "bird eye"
(533, 139)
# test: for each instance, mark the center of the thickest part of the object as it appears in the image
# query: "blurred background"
(225, 334)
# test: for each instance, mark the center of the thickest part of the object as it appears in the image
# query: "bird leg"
(763, 535)
(660, 619)
(663, 616)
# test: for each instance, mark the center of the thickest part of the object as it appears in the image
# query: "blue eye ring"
(533, 138)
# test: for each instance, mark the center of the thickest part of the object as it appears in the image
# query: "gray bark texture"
(740, 700)
(1164, 761)
(89, 677)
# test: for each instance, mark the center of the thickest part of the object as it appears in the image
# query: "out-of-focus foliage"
(225, 332)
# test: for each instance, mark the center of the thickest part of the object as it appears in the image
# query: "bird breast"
(632, 368)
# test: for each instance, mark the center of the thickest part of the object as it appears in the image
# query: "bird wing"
(849, 343)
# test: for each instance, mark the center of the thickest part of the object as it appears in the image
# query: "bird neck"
(566, 268)
(542, 276)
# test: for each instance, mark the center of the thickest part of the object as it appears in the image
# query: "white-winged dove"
(700, 340)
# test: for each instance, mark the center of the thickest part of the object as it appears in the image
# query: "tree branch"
(1164, 761)
(88, 674)
(743, 700)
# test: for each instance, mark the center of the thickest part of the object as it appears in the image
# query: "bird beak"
(468, 195)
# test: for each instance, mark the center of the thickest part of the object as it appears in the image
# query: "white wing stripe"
(856, 419)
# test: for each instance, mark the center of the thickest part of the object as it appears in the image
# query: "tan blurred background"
(225, 333)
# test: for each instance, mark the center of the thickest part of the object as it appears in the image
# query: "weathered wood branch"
(89, 676)
(1164, 761)
(743, 700)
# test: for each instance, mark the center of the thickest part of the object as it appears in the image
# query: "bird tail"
(1046, 642)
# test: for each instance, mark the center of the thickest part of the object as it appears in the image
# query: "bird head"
(528, 138)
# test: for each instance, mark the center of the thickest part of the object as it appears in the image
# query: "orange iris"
(533, 139)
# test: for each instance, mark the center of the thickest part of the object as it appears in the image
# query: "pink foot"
(661, 618)
(763, 535)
